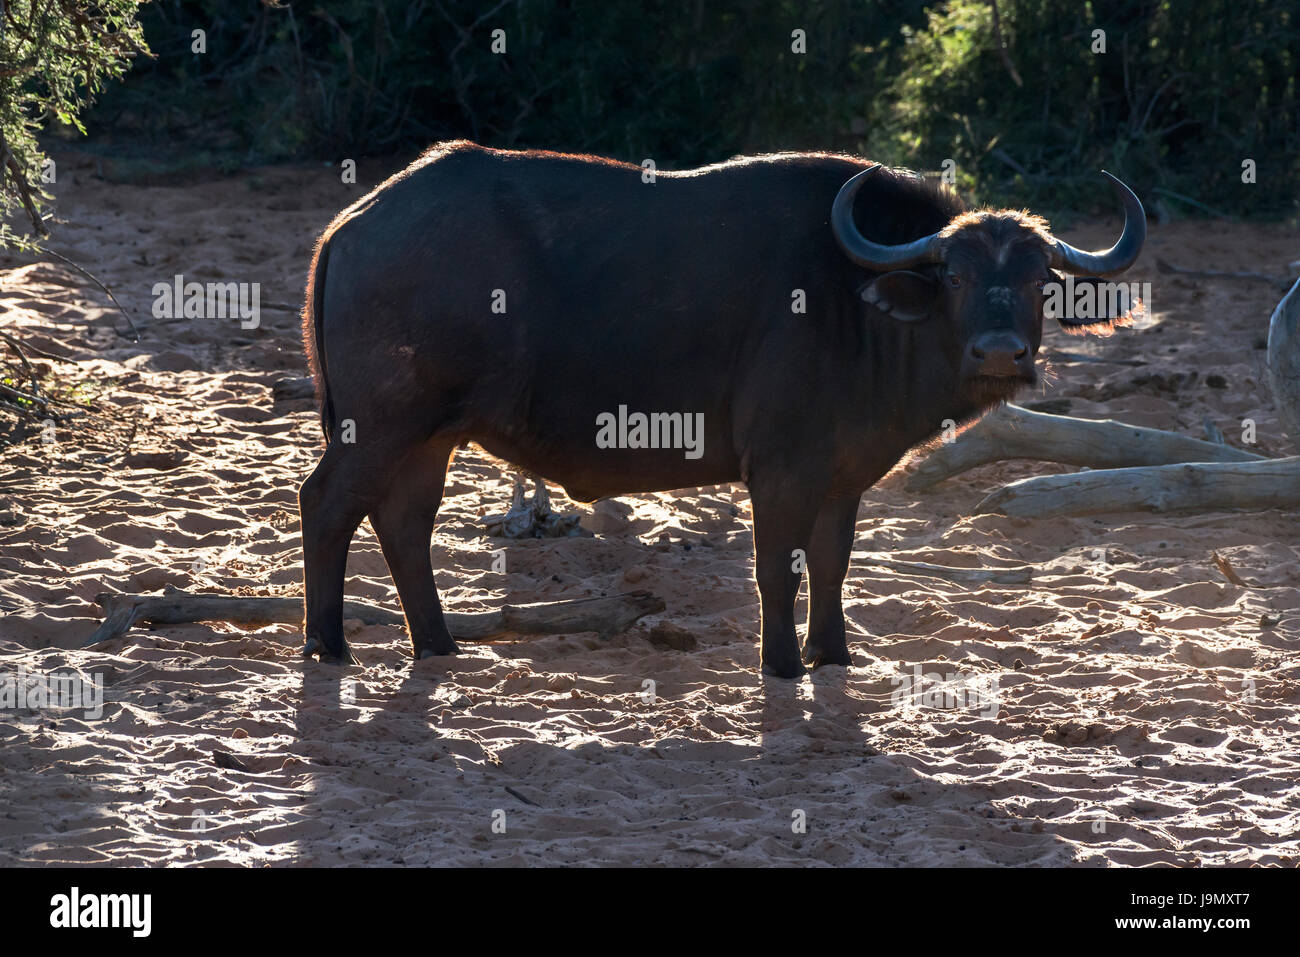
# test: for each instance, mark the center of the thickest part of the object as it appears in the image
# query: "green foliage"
(55, 56)
(1182, 95)
(1185, 91)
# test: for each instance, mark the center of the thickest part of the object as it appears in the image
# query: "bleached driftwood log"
(1015, 433)
(1193, 486)
(1211, 476)
(607, 616)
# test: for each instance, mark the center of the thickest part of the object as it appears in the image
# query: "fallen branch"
(1015, 433)
(1268, 483)
(9, 391)
(1016, 575)
(1227, 571)
(22, 358)
(515, 794)
(607, 616)
(95, 279)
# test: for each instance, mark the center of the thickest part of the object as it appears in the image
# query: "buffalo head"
(983, 276)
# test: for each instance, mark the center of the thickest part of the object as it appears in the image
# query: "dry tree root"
(22, 396)
(1015, 433)
(607, 616)
(1190, 486)
(28, 394)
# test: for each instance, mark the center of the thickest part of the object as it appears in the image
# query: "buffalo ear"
(1102, 311)
(906, 296)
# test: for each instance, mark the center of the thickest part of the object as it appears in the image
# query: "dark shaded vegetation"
(1026, 110)
(1018, 98)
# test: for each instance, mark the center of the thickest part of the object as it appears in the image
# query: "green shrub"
(55, 56)
(1185, 91)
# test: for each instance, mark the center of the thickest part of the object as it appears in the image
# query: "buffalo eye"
(1040, 283)
(954, 280)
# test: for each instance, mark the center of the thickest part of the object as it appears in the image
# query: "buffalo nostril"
(977, 352)
(1022, 353)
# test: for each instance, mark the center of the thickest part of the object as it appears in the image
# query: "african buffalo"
(815, 316)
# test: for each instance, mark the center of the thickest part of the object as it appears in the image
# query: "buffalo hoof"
(785, 670)
(815, 657)
(314, 647)
(432, 653)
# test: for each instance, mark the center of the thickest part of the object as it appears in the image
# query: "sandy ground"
(1148, 707)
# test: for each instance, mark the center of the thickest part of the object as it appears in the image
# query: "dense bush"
(681, 82)
(1184, 92)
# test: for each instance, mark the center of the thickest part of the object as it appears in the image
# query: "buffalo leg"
(828, 563)
(404, 525)
(332, 502)
(783, 521)
(326, 533)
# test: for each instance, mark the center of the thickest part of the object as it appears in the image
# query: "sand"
(1147, 708)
